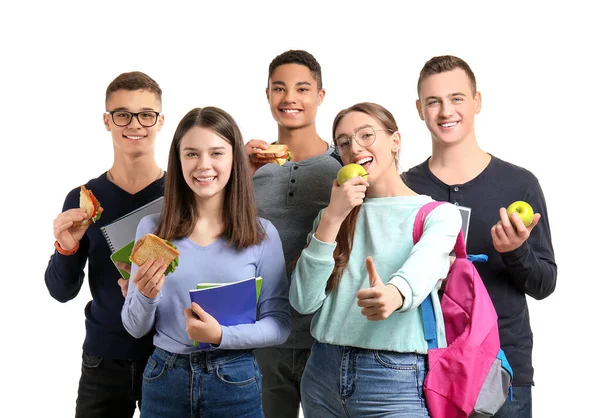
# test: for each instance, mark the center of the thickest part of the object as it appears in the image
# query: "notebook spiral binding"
(108, 241)
(121, 231)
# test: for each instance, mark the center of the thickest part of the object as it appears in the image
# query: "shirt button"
(456, 203)
(291, 194)
(456, 188)
(293, 181)
(295, 167)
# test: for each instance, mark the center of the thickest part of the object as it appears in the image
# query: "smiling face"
(206, 163)
(294, 96)
(379, 158)
(448, 106)
(134, 139)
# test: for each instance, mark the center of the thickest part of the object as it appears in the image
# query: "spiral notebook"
(120, 233)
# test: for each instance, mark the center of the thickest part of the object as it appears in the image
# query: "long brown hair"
(240, 216)
(345, 236)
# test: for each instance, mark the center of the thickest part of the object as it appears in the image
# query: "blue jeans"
(221, 383)
(519, 407)
(354, 382)
(108, 388)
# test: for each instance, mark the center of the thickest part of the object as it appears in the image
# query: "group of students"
(351, 344)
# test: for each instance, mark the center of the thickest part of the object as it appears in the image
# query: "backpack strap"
(460, 249)
(427, 313)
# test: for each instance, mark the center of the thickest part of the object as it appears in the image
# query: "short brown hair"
(442, 64)
(134, 80)
(242, 227)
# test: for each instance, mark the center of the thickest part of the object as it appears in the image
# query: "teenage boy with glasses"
(113, 361)
(123, 118)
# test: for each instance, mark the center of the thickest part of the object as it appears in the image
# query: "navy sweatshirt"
(509, 277)
(105, 334)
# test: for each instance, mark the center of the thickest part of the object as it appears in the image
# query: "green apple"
(349, 171)
(523, 209)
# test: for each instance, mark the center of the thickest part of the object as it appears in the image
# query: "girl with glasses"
(364, 280)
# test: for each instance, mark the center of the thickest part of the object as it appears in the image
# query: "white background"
(533, 62)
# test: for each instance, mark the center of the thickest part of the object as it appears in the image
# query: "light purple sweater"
(217, 262)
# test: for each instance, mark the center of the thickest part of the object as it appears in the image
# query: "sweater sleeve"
(309, 278)
(274, 324)
(531, 266)
(64, 274)
(429, 259)
(139, 312)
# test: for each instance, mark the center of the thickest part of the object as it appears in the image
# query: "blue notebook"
(230, 303)
(258, 281)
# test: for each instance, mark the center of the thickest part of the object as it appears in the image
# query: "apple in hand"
(523, 209)
(349, 171)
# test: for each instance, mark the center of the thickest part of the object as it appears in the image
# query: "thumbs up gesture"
(202, 326)
(380, 300)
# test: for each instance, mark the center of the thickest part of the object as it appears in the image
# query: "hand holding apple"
(523, 209)
(514, 226)
(349, 171)
(343, 199)
(350, 194)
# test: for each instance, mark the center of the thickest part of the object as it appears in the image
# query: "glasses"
(365, 137)
(147, 118)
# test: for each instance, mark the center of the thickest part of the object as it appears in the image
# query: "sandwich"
(92, 207)
(152, 247)
(276, 153)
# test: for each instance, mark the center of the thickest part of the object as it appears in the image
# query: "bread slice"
(152, 247)
(86, 203)
(276, 153)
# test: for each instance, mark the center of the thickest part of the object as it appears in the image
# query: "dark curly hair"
(295, 56)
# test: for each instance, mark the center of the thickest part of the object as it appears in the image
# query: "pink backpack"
(471, 377)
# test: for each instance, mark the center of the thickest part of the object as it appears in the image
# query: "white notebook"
(465, 212)
(121, 231)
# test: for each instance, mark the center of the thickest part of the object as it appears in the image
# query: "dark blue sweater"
(528, 270)
(105, 334)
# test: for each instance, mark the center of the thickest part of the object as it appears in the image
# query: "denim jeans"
(281, 370)
(354, 382)
(108, 388)
(519, 407)
(221, 383)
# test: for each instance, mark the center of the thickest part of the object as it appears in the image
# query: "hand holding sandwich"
(70, 226)
(157, 258)
(262, 153)
(67, 229)
(150, 277)
(252, 147)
